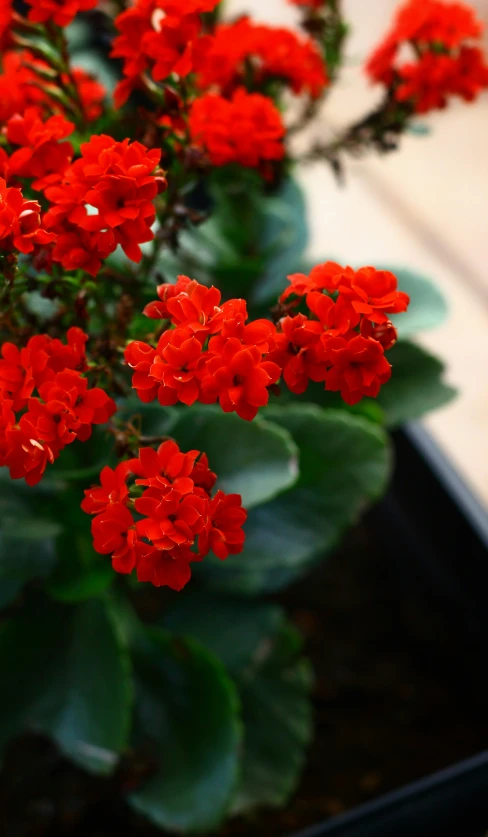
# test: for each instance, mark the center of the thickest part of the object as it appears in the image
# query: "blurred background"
(424, 207)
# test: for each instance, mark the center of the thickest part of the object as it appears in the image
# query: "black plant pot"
(436, 533)
(452, 803)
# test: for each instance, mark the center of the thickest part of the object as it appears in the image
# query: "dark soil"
(401, 691)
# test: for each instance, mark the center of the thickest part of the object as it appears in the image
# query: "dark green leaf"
(187, 719)
(416, 386)
(9, 590)
(263, 655)
(27, 548)
(284, 237)
(68, 676)
(344, 465)
(428, 307)
(277, 722)
(232, 629)
(256, 459)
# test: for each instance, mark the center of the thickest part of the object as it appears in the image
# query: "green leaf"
(27, 543)
(257, 459)
(284, 238)
(232, 629)
(277, 718)
(263, 655)
(416, 386)
(428, 307)
(9, 590)
(68, 676)
(345, 463)
(187, 718)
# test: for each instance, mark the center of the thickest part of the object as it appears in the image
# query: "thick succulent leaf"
(187, 720)
(263, 654)
(277, 718)
(345, 463)
(257, 459)
(428, 307)
(416, 386)
(68, 675)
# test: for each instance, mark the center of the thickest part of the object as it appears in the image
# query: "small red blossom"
(20, 222)
(178, 521)
(223, 533)
(158, 310)
(41, 156)
(267, 53)
(239, 378)
(60, 13)
(296, 353)
(246, 129)
(21, 87)
(356, 367)
(159, 37)
(117, 180)
(176, 366)
(444, 62)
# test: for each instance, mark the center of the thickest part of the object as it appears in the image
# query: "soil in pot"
(400, 692)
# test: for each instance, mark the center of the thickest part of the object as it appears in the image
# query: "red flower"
(196, 307)
(160, 37)
(309, 4)
(20, 222)
(443, 62)
(357, 367)
(110, 529)
(240, 49)
(176, 367)
(247, 130)
(165, 568)
(223, 534)
(158, 310)
(26, 457)
(117, 180)
(295, 352)
(178, 522)
(385, 333)
(323, 277)
(172, 519)
(85, 406)
(60, 13)
(239, 378)
(165, 468)
(113, 489)
(41, 156)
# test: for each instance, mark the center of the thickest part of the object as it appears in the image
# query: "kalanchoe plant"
(173, 367)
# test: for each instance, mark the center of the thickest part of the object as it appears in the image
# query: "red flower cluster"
(246, 129)
(444, 63)
(41, 155)
(210, 355)
(160, 37)
(61, 13)
(345, 333)
(269, 53)
(20, 221)
(21, 87)
(178, 520)
(64, 409)
(117, 181)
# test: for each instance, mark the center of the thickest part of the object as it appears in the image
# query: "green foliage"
(187, 719)
(416, 386)
(263, 654)
(428, 307)
(67, 674)
(344, 465)
(255, 459)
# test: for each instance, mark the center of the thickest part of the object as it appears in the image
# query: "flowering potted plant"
(173, 368)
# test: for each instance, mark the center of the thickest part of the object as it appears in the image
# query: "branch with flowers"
(173, 367)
